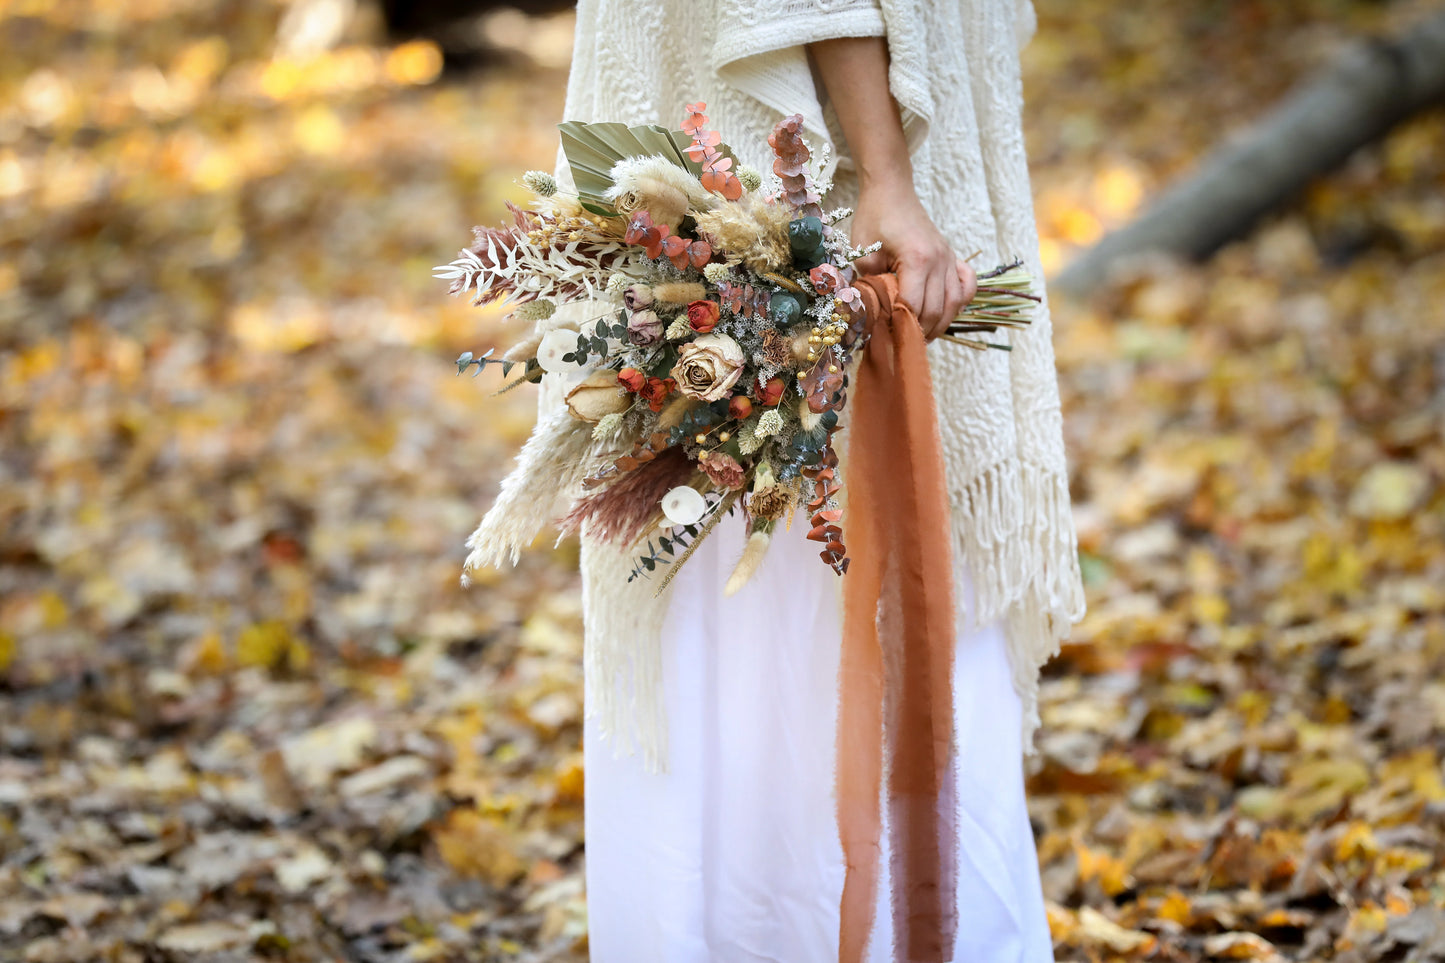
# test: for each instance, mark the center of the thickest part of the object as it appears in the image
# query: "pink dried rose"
(637, 297)
(644, 328)
(708, 367)
(722, 469)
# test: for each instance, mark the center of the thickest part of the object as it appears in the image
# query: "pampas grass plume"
(755, 229)
(555, 459)
(658, 186)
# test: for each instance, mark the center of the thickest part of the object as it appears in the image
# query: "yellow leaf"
(7, 650)
(475, 845)
(1210, 608)
(1357, 841)
(1368, 920)
(319, 131)
(1110, 871)
(569, 781)
(207, 655)
(271, 645)
(1403, 860)
(1063, 922)
(53, 611)
(1176, 908)
(1389, 490)
(1397, 905)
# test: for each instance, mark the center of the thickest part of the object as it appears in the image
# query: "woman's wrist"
(889, 177)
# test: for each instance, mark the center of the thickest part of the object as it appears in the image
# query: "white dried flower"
(683, 505)
(658, 186)
(769, 424)
(554, 346)
(617, 284)
(540, 183)
(539, 310)
(750, 178)
(716, 273)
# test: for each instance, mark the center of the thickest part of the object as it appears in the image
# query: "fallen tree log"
(1370, 88)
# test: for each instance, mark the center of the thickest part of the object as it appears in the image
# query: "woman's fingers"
(953, 300)
(937, 285)
(969, 277)
(913, 288)
(933, 303)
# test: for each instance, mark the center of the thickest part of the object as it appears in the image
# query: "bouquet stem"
(1003, 300)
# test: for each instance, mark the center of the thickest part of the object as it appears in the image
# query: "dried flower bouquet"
(705, 328)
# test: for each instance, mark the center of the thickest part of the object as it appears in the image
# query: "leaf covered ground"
(246, 711)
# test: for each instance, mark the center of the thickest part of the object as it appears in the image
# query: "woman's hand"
(931, 277)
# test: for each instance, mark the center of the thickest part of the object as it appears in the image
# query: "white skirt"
(732, 855)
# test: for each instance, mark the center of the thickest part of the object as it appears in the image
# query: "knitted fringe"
(1014, 528)
(622, 654)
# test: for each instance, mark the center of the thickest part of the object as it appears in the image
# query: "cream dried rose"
(708, 367)
(598, 395)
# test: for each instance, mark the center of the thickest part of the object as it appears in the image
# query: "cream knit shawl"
(955, 73)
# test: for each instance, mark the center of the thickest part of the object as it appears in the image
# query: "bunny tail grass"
(555, 459)
(752, 557)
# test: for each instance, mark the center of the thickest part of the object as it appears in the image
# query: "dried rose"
(771, 392)
(597, 396)
(722, 469)
(637, 297)
(702, 316)
(656, 390)
(631, 379)
(740, 407)
(644, 328)
(708, 367)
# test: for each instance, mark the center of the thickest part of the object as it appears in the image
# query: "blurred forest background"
(246, 712)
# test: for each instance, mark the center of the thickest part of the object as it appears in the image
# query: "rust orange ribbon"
(896, 667)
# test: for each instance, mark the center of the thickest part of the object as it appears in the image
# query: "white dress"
(732, 854)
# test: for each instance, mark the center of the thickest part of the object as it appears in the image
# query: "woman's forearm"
(930, 276)
(854, 71)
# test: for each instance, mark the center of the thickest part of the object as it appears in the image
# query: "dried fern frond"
(540, 256)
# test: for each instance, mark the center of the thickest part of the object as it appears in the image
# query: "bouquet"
(704, 325)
